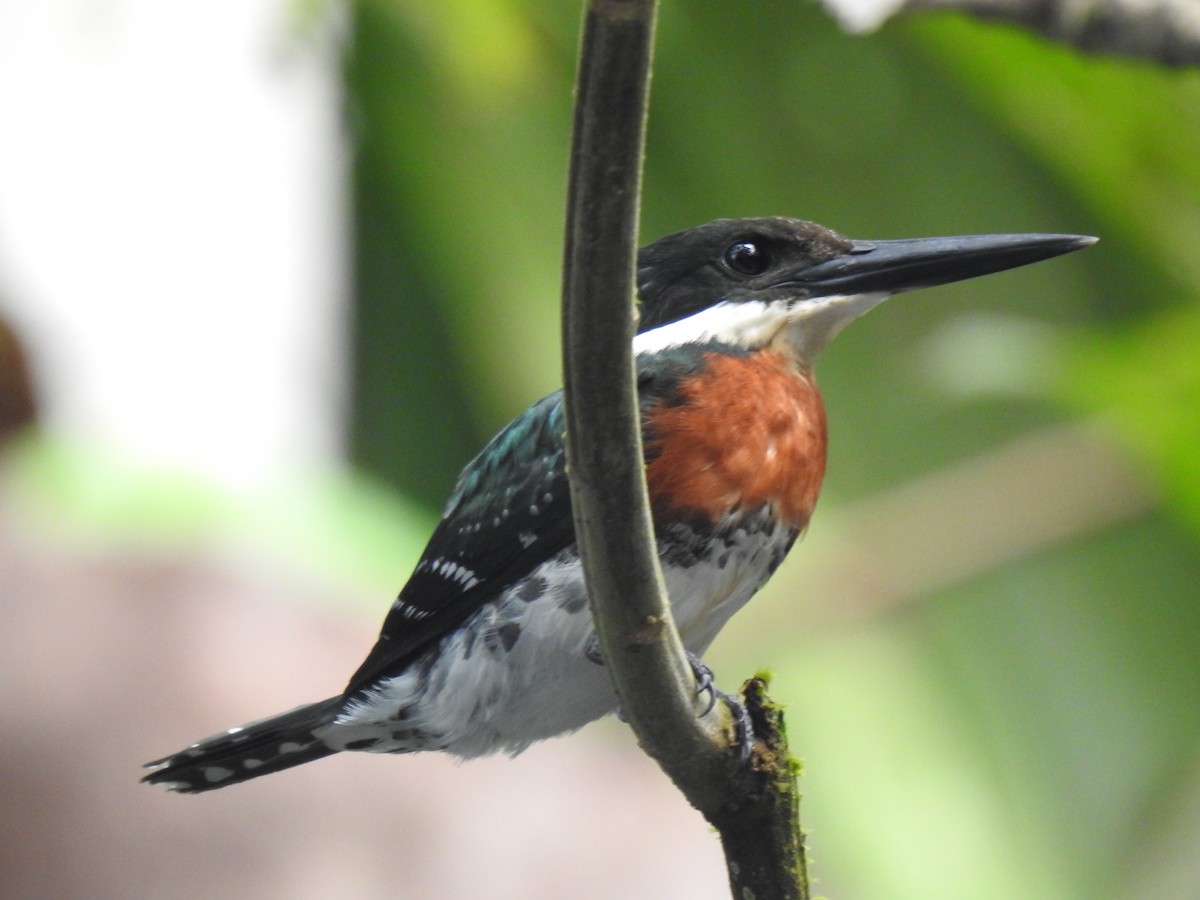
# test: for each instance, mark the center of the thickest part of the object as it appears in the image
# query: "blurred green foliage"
(1029, 731)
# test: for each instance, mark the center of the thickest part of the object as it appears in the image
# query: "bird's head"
(778, 281)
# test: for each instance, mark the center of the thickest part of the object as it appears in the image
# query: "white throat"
(804, 327)
(751, 325)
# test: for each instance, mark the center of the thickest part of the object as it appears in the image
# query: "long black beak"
(905, 265)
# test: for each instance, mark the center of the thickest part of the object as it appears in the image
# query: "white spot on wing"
(451, 571)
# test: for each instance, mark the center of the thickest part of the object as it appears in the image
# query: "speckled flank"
(572, 598)
(532, 588)
(519, 689)
(488, 686)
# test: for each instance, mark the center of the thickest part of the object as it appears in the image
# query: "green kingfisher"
(489, 646)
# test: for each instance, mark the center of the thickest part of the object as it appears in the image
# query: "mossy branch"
(754, 806)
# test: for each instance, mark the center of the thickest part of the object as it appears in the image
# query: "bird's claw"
(704, 681)
(743, 727)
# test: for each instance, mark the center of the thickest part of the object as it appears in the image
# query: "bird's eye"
(747, 258)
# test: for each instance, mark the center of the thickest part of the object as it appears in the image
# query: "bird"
(489, 646)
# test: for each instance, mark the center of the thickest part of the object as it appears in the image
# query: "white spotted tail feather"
(258, 748)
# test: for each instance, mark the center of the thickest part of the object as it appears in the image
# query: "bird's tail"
(240, 754)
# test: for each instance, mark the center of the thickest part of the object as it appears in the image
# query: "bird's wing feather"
(510, 511)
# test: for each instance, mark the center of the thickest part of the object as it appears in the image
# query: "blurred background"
(271, 272)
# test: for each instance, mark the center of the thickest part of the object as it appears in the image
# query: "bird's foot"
(743, 728)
